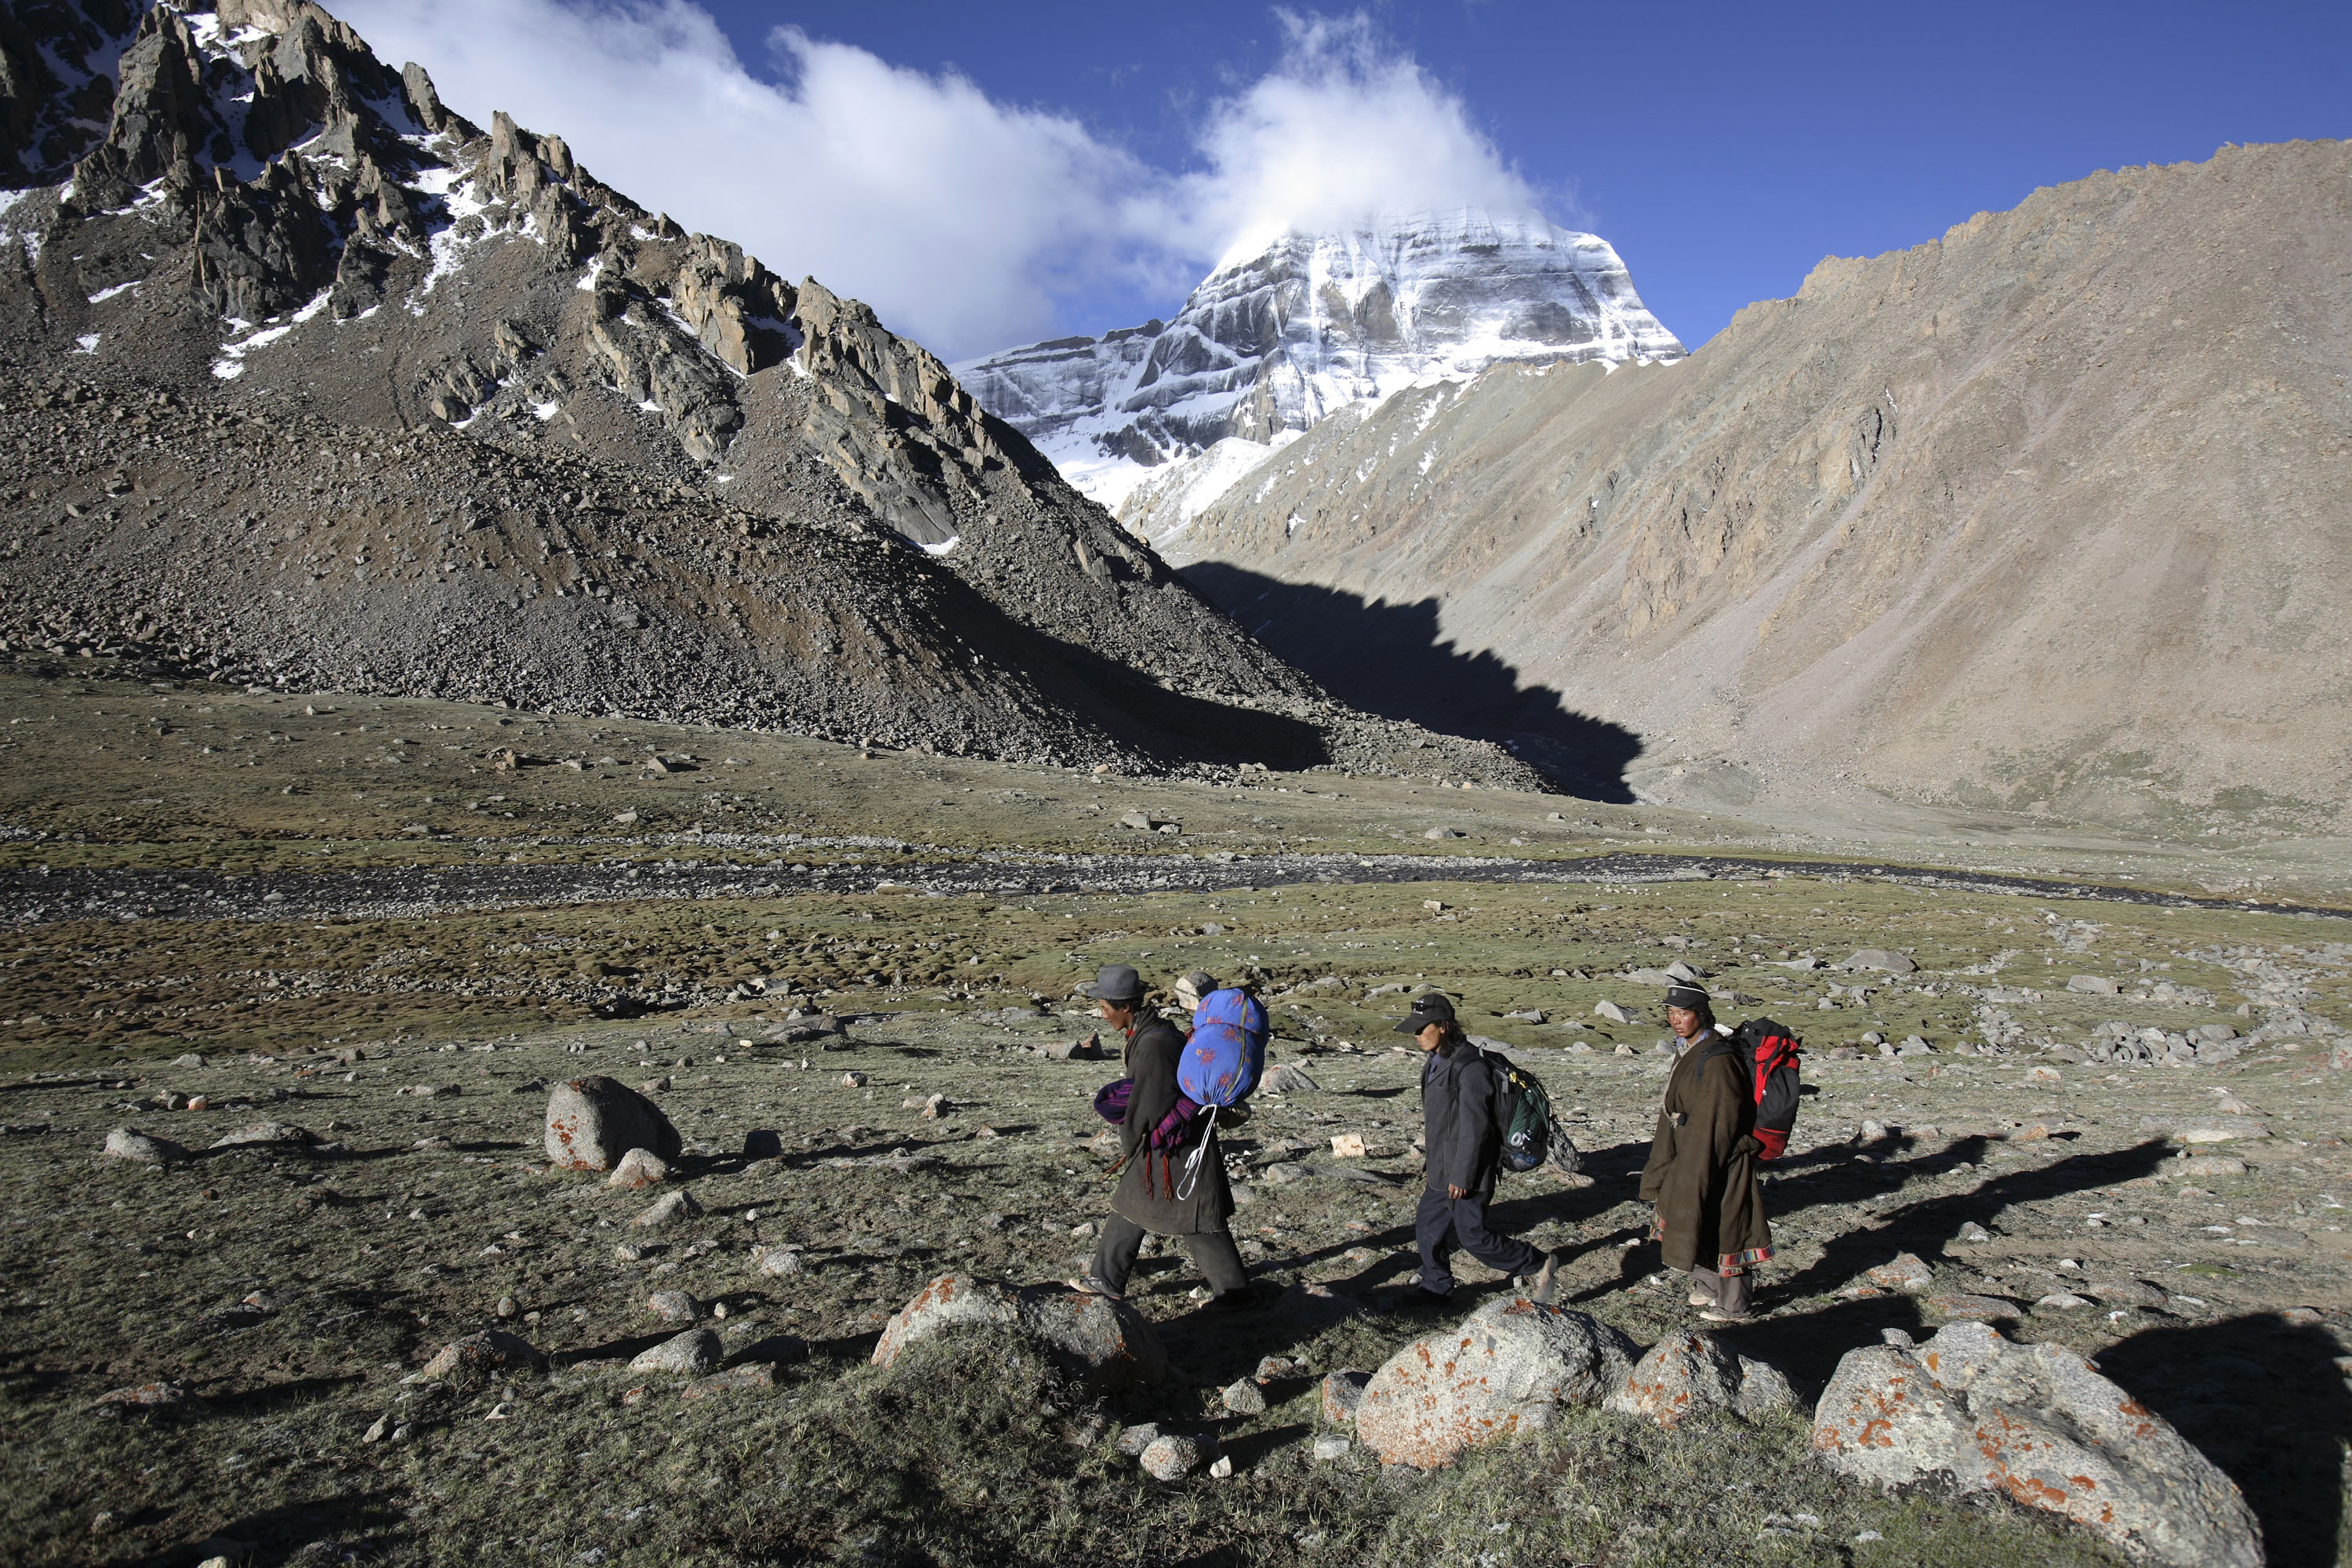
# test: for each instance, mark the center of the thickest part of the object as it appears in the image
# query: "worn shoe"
(1701, 1299)
(1088, 1285)
(1542, 1284)
(1241, 1300)
(1717, 1315)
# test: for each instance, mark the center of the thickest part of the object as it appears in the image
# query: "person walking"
(1465, 1155)
(1701, 1171)
(1154, 1194)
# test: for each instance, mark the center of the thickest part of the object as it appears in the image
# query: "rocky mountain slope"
(242, 210)
(2053, 513)
(1276, 339)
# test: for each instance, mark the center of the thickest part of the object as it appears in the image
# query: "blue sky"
(1084, 162)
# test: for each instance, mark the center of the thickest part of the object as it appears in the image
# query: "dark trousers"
(1212, 1251)
(1733, 1294)
(1443, 1221)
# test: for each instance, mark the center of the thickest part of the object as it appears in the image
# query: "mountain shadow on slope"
(1391, 660)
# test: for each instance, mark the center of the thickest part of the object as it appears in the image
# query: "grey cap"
(1690, 998)
(1116, 982)
(1429, 1007)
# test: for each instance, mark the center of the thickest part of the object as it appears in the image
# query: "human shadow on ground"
(1923, 1228)
(2266, 1401)
(361, 1525)
(1395, 660)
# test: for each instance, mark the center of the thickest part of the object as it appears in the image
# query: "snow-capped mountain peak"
(1281, 334)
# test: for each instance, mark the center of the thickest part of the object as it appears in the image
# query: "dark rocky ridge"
(278, 231)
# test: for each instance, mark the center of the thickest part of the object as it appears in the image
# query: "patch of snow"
(587, 284)
(1176, 493)
(650, 407)
(89, 342)
(546, 411)
(944, 546)
(103, 295)
(724, 479)
(10, 198)
(1401, 301)
(231, 364)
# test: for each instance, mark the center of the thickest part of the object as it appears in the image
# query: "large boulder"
(2035, 1422)
(1689, 1374)
(1107, 1343)
(592, 1123)
(1508, 1367)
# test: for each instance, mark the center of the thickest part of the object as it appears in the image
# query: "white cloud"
(966, 222)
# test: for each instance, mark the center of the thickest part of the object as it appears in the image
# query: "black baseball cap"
(1429, 1007)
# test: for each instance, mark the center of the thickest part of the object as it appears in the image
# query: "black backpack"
(1523, 1115)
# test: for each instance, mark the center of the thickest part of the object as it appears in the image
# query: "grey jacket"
(1457, 1110)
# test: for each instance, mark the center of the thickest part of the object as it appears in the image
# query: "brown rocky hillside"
(252, 279)
(2054, 514)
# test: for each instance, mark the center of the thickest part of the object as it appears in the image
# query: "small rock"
(1172, 1459)
(2128, 1292)
(751, 1377)
(1611, 1011)
(2061, 1301)
(267, 1134)
(1133, 1440)
(149, 1394)
(677, 1205)
(507, 1307)
(1273, 1367)
(1348, 1146)
(491, 1348)
(935, 1108)
(1880, 958)
(1343, 1391)
(673, 1306)
(695, 1352)
(763, 1143)
(640, 1168)
(854, 1080)
(1244, 1398)
(1509, 1366)
(2095, 984)
(189, 1059)
(2210, 1165)
(1222, 1468)
(778, 1262)
(1903, 1272)
(1973, 1231)
(1331, 1447)
(1288, 1079)
(129, 1143)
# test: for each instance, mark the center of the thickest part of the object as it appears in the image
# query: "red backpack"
(1771, 1051)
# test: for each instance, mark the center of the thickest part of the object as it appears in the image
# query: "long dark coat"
(1147, 1188)
(1702, 1169)
(1457, 1119)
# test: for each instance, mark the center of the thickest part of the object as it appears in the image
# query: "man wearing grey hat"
(1148, 1199)
(1465, 1155)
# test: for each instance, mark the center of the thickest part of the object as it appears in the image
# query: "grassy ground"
(439, 1207)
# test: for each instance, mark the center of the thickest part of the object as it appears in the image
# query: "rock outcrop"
(2040, 1425)
(1690, 1375)
(1508, 1367)
(1107, 1344)
(594, 1124)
